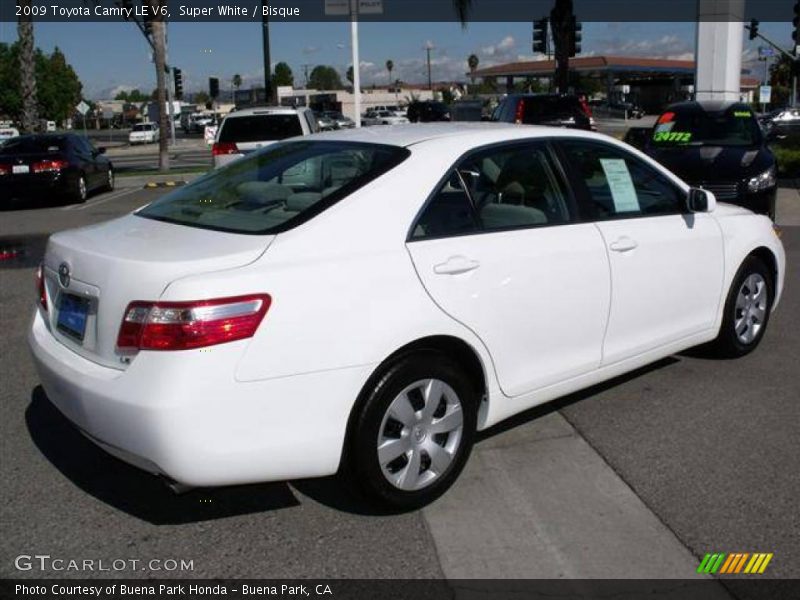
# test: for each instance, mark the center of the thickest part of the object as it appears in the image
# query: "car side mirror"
(700, 201)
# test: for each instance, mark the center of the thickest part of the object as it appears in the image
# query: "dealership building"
(652, 82)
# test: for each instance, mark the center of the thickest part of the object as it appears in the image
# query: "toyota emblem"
(63, 274)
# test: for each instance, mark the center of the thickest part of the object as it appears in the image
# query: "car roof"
(541, 96)
(707, 105)
(266, 110)
(468, 134)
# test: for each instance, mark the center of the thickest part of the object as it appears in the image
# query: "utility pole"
(356, 62)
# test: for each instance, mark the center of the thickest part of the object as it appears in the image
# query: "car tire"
(80, 192)
(414, 430)
(747, 310)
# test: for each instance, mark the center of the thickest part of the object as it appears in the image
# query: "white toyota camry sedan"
(364, 301)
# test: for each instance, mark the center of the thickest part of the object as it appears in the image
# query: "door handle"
(456, 265)
(624, 244)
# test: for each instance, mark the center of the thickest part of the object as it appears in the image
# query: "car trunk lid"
(93, 273)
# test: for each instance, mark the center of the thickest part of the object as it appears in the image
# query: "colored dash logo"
(735, 563)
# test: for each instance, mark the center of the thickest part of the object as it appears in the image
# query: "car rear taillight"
(186, 325)
(587, 110)
(44, 166)
(5, 169)
(520, 113)
(40, 287)
(224, 148)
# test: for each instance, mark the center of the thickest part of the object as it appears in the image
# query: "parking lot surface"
(635, 478)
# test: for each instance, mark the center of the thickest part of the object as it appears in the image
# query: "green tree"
(203, 99)
(237, 81)
(59, 89)
(136, 96)
(324, 77)
(10, 99)
(123, 95)
(283, 75)
(350, 75)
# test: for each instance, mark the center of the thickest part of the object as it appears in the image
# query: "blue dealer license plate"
(72, 313)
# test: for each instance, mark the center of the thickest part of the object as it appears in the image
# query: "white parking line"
(100, 200)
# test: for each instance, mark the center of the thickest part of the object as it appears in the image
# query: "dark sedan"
(42, 166)
(718, 146)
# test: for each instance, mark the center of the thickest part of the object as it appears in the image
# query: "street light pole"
(356, 62)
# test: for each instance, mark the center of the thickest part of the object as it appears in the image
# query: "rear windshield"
(276, 189)
(260, 128)
(735, 126)
(33, 145)
(142, 128)
(544, 108)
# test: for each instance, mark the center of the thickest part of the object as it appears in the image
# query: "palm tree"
(390, 68)
(158, 31)
(473, 63)
(237, 83)
(463, 8)
(27, 68)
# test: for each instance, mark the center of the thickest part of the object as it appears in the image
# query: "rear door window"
(276, 189)
(260, 128)
(502, 188)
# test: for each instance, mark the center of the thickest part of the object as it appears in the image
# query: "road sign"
(337, 7)
(765, 51)
(364, 7)
(83, 108)
(765, 94)
(370, 7)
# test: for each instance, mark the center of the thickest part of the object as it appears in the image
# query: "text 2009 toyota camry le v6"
(367, 300)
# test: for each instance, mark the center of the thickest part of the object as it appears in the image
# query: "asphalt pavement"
(638, 477)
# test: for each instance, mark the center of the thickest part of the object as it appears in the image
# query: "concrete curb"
(156, 181)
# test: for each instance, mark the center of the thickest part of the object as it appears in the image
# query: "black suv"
(555, 110)
(427, 111)
(720, 147)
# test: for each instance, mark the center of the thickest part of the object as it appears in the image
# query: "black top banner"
(397, 10)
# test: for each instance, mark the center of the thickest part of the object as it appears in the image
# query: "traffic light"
(540, 36)
(575, 36)
(177, 76)
(753, 29)
(213, 87)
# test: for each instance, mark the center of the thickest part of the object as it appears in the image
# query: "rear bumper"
(37, 186)
(183, 414)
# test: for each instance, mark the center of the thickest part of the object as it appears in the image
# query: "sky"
(110, 57)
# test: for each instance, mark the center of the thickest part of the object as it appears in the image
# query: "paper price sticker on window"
(621, 185)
